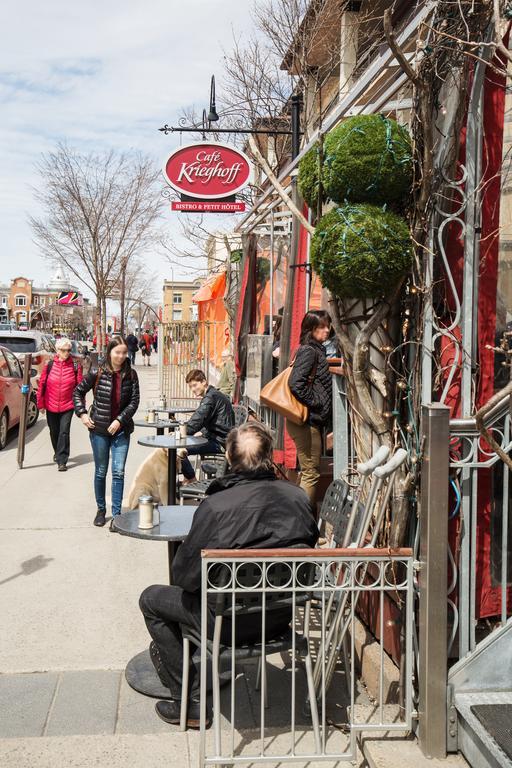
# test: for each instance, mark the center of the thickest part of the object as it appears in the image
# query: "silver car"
(39, 344)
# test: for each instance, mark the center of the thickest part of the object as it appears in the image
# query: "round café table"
(172, 444)
(159, 424)
(175, 522)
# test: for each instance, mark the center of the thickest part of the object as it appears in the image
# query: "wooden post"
(25, 391)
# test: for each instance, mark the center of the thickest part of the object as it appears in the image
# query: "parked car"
(11, 399)
(80, 353)
(39, 344)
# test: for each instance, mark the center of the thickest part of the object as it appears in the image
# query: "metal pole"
(122, 301)
(295, 109)
(433, 581)
(271, 288)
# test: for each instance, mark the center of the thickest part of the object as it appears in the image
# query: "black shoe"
(170, 711)
(62, 468)
(99, 520)
(111, 526)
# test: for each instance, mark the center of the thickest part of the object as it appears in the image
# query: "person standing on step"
(115, 386)
(311, 383)
(55, 396)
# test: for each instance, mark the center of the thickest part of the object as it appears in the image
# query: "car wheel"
(33, 411)
(4, 426)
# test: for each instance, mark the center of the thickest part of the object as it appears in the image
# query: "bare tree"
(99, 212)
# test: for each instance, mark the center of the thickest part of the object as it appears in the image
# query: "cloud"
(98, 75)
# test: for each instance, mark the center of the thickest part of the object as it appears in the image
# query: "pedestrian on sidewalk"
(133, 345)
(155, 341)
(311, 383)
(146, 340)
(55, 396)
(227, 380)
(110, 422)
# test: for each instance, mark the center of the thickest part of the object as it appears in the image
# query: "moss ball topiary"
(361, 251)
(367, 159)
(308, 177)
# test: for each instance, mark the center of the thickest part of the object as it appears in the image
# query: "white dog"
(151, 477)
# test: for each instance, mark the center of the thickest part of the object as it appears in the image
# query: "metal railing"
(313, 582)
(473, 463)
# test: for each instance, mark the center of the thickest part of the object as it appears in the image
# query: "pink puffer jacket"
(55, 391)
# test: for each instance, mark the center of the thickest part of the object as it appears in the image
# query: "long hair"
(310, 322)
(115, 341)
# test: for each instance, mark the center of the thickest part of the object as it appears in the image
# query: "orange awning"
(214, 288)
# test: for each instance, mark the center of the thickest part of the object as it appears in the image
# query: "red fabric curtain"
(487, 596)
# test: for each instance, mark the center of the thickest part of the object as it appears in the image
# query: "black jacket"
(311, 382)
(214, 416)
(132, 342)
(101, 408)
(251, 511)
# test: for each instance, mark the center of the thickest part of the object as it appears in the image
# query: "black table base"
(142, 677)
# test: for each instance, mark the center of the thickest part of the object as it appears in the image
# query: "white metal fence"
(310, 584)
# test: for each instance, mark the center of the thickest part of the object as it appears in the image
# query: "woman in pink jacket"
(58, 380)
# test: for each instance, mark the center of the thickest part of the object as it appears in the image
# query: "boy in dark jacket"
(214, 418)
(246, 509)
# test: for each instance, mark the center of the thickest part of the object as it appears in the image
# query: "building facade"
(178, 302)
(23, 304)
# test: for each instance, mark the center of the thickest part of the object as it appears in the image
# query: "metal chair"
(198, 489)
(361, 522)
(241, 414)
(249, 575)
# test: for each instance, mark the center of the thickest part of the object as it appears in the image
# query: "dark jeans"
(102, 447)
(165, 608)
(132, 353)
(59, 425)
(212, 446)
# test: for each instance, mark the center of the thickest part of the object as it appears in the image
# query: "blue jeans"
(212, 446)
(102, 447)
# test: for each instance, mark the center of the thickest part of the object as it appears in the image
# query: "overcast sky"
(100, 74)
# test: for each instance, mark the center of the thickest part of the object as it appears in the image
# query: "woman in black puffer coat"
(311, 383)
(116, 398)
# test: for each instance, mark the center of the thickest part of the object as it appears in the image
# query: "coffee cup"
(183, 430)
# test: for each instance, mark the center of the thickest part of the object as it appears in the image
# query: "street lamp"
(212, 117)
(212, 114)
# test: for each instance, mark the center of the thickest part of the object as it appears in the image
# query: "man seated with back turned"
(248, 508)
(214, 417)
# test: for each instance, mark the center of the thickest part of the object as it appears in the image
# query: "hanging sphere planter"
(367, 158)
(361, 251)
(308, 177)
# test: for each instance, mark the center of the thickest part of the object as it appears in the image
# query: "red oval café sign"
(207, 170)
